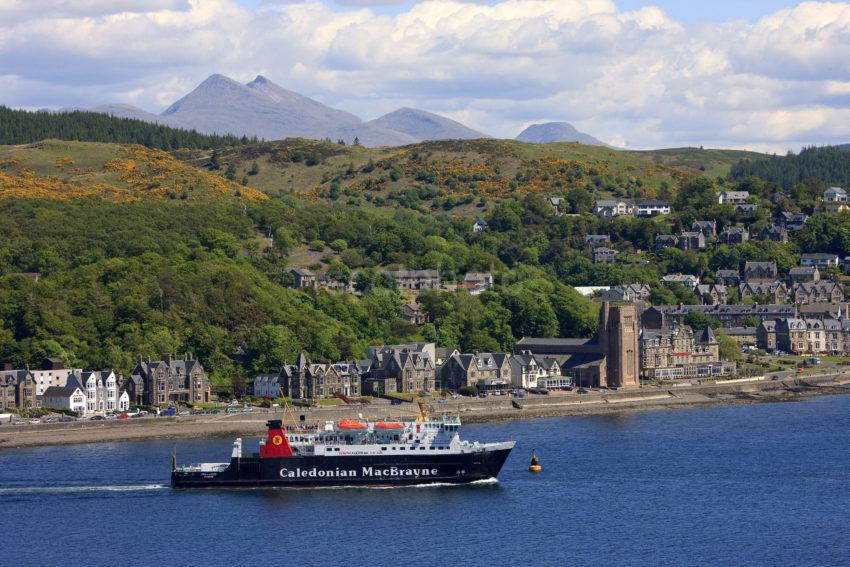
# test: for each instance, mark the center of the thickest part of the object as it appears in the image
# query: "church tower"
(618, 337)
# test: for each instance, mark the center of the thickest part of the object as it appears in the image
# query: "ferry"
(352, 452)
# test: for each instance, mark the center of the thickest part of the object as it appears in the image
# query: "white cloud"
(634, 77)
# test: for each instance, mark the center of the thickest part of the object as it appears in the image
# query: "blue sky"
(711, 10)
(768, 75)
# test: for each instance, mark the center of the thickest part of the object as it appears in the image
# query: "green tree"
(271, 346)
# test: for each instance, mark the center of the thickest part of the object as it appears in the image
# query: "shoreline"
(489, 410)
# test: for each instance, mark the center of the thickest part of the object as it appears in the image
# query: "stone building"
(663, 316)
(759, 272)
(734, 235)
(678, 352)
(17, 389)
(773, 292)
(818, 292)
(303, 278)
(304, 380)
(707, 227)
(482, 370)
(410, 368)
(603, 255)
(171, 380)
(618, 337)
(414, 280)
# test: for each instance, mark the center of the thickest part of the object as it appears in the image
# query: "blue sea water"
(737, 485)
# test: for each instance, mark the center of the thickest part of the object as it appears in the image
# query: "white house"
(267, 385)
(123, 400)
(820, 260)
(651, 208)
(101, 389)
(835, 195)
(613, 208)
(69, 397)
(687, 280)
(733, 197)
(530, 371)
(479, 226)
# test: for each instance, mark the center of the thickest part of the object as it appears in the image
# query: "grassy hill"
(717, 163)
(460, 175)
(433, 172)
(56, 169)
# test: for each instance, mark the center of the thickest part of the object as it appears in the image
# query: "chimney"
(7, 366)
(166, 357)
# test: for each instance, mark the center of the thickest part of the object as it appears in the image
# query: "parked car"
(123, 416)
(97, 418)
(140, 414)
(168, 412)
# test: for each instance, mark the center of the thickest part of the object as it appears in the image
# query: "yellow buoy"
(534, 466)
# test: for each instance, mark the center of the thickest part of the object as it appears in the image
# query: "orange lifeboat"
(389, 425)
(352, 424)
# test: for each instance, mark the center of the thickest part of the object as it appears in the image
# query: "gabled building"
(707, 227)
(774, 233)
(479, 226)
(629, 293)
(734, 235)
(412, 313)
(807, 274)
(485, 371)
(746, 209)
(593, 240)
(303, 278)
(792, 221)
(760, 272)
(602, 255)
(70, 397)
(692, 241)
(835, 195)
(712, 294)
(170, 380)
(819, 292)
(414, 280)
(766, 336)
(17, 389)
(687, 280)
(727, 277)
(409, 368)
(773, 292)
(613, 208)
(680, 353)
(733, 197)
(304, 380)
(663, 241)
(477, 282)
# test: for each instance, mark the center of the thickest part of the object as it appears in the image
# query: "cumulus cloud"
(636, 77)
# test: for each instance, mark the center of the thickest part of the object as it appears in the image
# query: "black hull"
(367, 471)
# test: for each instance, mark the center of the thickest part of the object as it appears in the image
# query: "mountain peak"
(424, 125)
(259, 80)
(557, 132)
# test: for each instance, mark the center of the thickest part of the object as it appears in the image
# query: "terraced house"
(304, 380)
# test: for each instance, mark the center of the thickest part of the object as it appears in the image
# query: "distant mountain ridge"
(557, 132)
(263, 109)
